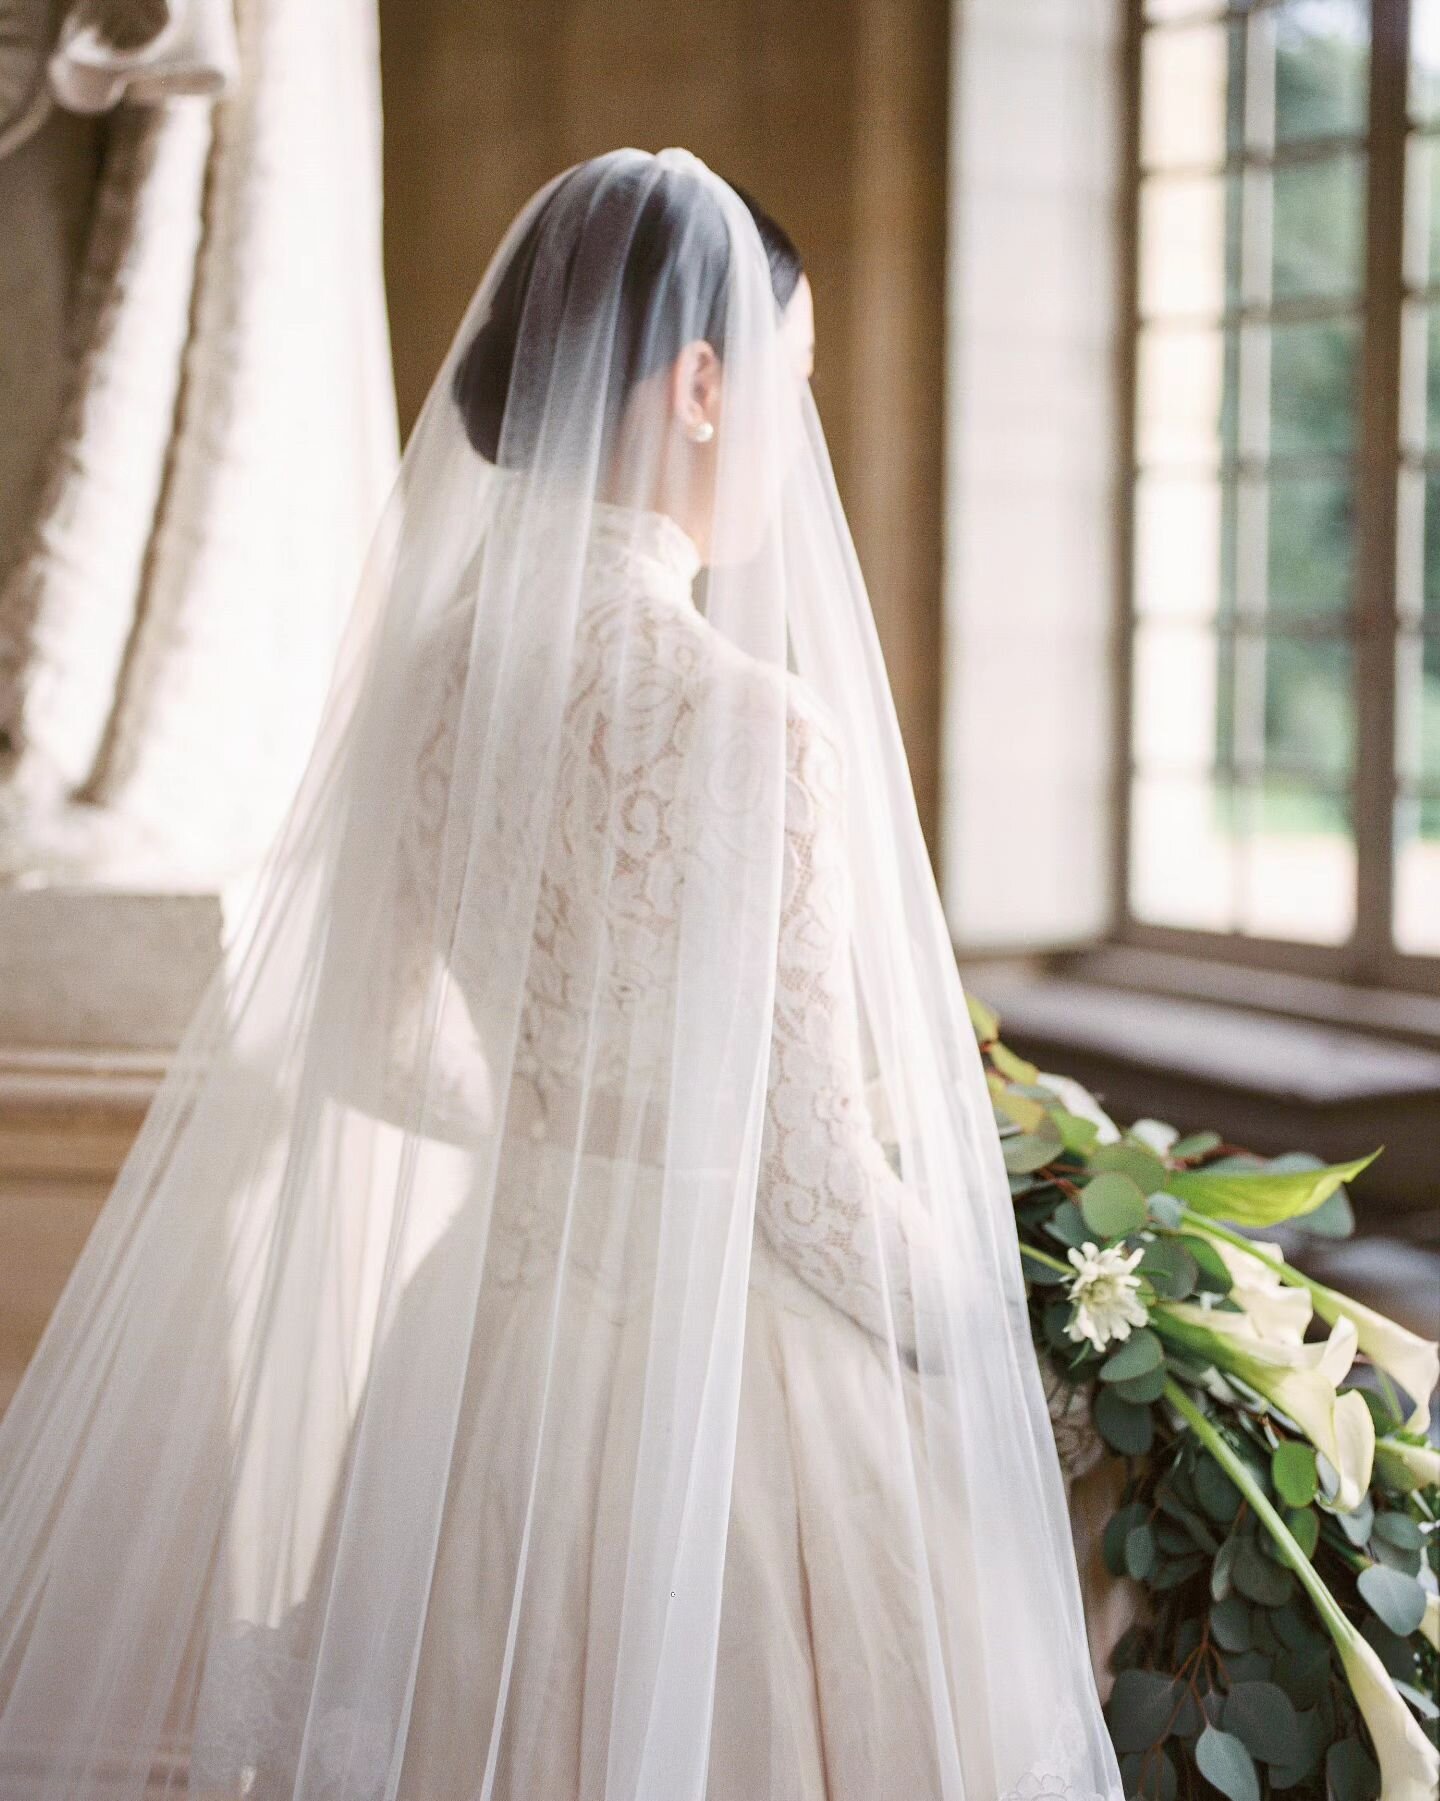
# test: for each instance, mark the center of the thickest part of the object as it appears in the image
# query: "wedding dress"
(584, 1352)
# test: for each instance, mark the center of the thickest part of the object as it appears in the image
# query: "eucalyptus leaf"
(1293, 1472)
(1125, 1427)
(1171, 1268)
(1165, 1209)
(1398, 1599)
(1143, 1389)
(1262, 1715)
(1113, 1205)
(1225, 1763)
(1230, 1623)
(1358, 1524)
(1260, 1579)
(1140, 1552)
(1139, 1354)
(1222, 1571)
(1398, 1529)
(1138, 1162)
(1066, 1224)
(1351, 1774)
(1032, 1150)
(1139, 1709)
(1304, 1674)
(1304, 1524)
(1196, 1144)
(1214, 1490)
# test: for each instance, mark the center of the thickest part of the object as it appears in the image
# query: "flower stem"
(1028, 1250)
(1239, 1473)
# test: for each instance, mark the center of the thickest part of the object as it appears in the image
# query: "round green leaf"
(1292, 1470)
(1027, 1151)
(1142, 1166)
(1397, 1598)
(1224, 1762)
(1260, 1579)
(1230, 1623)
(1351, 1774)
(1140, 1353)
(1171, 1268)
(1113, 1205)
(1196, 1144)
(1139, 1709)
(1304, 1524)
(1214, 1490)
(1140, 1552)
(1262, 1716)
(1142, 1389)
(1123, 1425)
(1397, 1529)
(1165, 1209)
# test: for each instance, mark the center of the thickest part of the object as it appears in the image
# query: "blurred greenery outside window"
(1283, 625)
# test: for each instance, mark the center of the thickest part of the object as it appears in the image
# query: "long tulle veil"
(227, 1473)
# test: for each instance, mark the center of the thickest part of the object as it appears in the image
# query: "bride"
(559, 1335)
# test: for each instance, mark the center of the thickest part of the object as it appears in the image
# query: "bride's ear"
(695, 390)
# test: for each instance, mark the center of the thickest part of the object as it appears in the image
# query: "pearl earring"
(702, 432)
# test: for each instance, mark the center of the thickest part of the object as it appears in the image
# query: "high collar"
(649, 538)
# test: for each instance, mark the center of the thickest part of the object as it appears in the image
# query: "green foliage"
(1228, 1682)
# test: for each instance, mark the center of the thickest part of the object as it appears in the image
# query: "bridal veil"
(598, 962)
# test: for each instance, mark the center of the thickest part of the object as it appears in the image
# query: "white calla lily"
(1404, 1356)
(1279, 1310)
(1430, 1625)
(1409, 1763)
(1419, 1463)
(1299, 1379)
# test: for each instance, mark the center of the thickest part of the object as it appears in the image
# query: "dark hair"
(678, 218)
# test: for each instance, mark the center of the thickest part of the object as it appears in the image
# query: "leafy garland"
(1283, 1523)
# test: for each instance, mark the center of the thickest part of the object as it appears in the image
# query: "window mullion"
(1377, 483)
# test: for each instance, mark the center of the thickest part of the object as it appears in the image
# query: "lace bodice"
(829, 1203)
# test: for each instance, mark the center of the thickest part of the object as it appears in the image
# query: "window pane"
(1417, 720)
(1417, 876)
(1422, 212)
(1179, 546)
(1425, 61)
(1180, 397)
(1418, 570)
(1295, 863)
(1183, 235)
(1174, 696)
(1308, 71)
(1308, 531)
(1311, 216)
(1182, 861)
(1308, 707)
(1420, 379)
(1185, 83)
(1312, 386)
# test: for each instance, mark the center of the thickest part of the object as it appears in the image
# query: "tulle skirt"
(827, 1687)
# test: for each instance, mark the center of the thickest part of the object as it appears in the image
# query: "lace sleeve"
(830, 1204)
(414, 1043)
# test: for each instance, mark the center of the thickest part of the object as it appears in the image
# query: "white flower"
(1106, 1294)
(1156, 1134)
(1300, 1379)
(1278, 1311)
(1409, 1763)
(1082, 1104)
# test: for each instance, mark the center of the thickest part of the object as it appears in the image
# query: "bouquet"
(1282, 1517)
